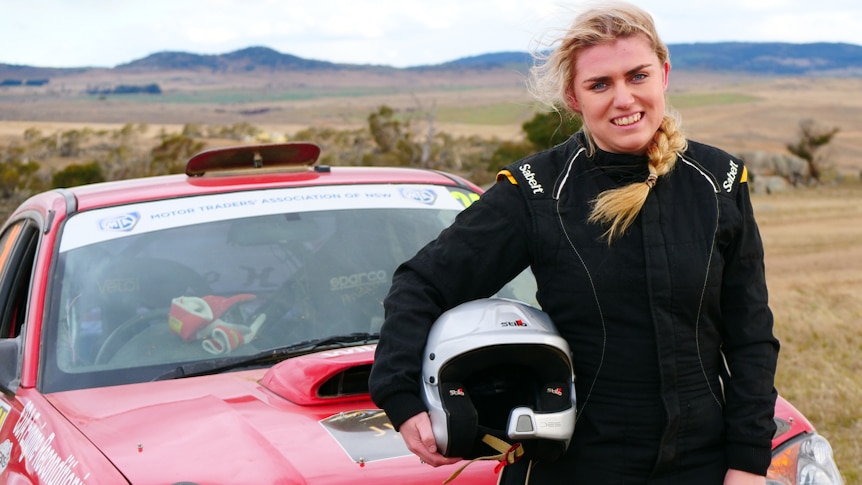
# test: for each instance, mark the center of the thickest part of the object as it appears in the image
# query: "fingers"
(419, 438)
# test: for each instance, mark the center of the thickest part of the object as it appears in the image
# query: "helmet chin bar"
(524, 423)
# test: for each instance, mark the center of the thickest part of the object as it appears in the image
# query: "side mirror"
(10, 376)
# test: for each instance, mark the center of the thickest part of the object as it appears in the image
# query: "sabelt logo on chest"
(731, 176)
(531, 179)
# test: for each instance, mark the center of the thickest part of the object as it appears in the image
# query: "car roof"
(172, 186)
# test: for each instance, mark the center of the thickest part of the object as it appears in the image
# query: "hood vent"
(323, 377)
(351, 382)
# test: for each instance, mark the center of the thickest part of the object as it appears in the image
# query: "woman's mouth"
(627, 120)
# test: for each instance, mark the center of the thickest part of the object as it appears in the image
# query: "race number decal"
(465, 198)
(4, 412)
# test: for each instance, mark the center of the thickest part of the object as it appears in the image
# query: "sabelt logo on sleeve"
(531, 179)
(731, 176)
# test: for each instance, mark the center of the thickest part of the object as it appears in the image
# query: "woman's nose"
(623, 96)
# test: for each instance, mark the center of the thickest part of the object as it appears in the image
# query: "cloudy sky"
(400, 33)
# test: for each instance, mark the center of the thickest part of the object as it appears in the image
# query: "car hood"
(247, 427)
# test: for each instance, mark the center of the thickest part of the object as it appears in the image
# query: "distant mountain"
(832, 59)
(15, 71)
(773, 58)
(769, 58)
(244, 60)
(519, 61)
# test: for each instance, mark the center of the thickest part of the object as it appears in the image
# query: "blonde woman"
(648, 260)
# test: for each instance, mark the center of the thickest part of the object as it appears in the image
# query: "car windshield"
(141, 289)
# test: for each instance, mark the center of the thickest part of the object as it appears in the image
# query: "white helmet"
(498, 367)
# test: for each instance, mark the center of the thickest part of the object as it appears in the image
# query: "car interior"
(124, 309)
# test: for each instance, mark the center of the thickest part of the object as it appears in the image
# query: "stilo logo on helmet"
(498, 367)
(516, 323)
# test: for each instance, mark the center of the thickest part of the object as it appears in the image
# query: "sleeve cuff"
(401, 407)
(747, 458)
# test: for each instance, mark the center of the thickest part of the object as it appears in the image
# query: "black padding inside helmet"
(462, 421)
(494, 380)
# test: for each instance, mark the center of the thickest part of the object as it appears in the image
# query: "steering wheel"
(125, 286)
(128, 329)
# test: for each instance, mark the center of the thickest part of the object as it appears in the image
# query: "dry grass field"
(813, 244)
(812, 237)
(736, 112)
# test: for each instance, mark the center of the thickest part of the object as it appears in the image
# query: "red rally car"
(218, 327)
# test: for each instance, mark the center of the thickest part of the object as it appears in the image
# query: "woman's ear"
(573, 101)
(665, 74)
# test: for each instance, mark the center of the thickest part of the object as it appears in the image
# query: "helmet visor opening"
(502, 377)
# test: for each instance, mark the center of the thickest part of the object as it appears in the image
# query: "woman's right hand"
(419, 438)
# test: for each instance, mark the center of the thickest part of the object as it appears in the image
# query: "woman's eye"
(598, 86)
(639, 77)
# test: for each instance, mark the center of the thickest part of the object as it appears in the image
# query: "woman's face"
(619, 91)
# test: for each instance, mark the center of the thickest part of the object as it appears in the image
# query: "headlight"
(805, 460)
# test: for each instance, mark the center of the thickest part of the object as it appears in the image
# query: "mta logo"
(424, 196)
(120, 223)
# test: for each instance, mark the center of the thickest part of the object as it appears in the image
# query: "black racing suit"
(669, 326)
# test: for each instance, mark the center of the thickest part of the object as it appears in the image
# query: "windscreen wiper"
(266, 357)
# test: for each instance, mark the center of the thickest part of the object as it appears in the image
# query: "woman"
(647, 259)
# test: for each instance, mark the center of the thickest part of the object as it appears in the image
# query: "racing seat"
(119, 291)
(349, 275)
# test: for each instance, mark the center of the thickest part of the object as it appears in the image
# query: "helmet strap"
(508, 455)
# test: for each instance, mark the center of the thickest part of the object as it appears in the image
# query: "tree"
(812, 138)
(171, 155)
(17, 175)
(543, 131)
(70, 144)
(78, 174)
(128, 132)
(546, 130)
(508, 152)
(385, 130)
(240, 131)
(394, 139)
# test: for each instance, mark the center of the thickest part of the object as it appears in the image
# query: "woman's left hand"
(739, 477)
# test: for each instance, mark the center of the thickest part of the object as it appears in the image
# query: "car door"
(18, 243)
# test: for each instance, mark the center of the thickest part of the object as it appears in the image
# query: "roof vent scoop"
(253, 158)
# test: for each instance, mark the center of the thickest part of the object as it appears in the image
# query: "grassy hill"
(820, 59)
(751, 57)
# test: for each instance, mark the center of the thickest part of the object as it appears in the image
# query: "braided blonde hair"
(552, 83)
(619, 207)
